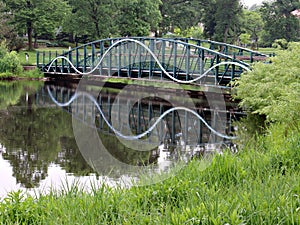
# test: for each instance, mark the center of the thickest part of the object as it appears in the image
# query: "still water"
(44, 145)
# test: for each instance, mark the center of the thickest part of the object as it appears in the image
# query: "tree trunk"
(29, 29)
(226, 34)
(29, 33)
(35, 41)
(71, 37)
(97, 29)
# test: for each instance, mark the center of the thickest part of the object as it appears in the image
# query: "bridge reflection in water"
(163, 135)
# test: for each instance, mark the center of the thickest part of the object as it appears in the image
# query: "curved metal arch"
(185, 41)
(246, 67)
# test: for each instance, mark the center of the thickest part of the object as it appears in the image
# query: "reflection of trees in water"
(10, 92)
(35, 137)
(71, 159)
(122, 153)
(28, 169)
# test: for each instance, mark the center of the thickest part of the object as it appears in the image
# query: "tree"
(138, 17)
(209, 20)
(279, 22)
(227, 16)
(7, 31)
(252, 26)
(92, 18)
(31, 16)
(182, 14)
(222, 20)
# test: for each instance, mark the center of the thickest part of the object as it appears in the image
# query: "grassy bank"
(259, 185)
(30, 74)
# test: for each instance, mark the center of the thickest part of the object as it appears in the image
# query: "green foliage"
(138, 18)
(91, 19)
(194, 32)
(222, 20)
(280, 43)
(273, 89)
(20, 210)
(279, 22)
(252, 26)
(35, 73)
(227, 19)
(8, 32)
(82, 21)
(245, 39)
(34, 17)
(9, 61)
(179, 14)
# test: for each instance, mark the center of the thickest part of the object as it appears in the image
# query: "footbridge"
(183, 60)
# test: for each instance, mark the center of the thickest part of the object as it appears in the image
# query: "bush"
(273, 89)
(9, 61)
(280, 43)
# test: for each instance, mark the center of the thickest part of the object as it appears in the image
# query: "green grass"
(32, 54)
(268, 51)
(30, 74)
(259, 185)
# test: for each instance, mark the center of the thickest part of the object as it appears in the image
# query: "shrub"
(280, 43)
(9, 61)
(273, 90)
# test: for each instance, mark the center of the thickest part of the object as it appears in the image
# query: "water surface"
(39, 151)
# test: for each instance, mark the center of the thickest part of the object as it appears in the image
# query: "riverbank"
(258, 185)
(29, 73)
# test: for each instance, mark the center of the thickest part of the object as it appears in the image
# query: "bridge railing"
(153, 58)
(242, 53)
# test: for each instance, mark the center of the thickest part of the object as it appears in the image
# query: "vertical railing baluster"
(151, 59)
(38, 60)
(56, 63)
(129, 59)
(163, 55)
(188, 55)
(63, 64)
(175, 59)
(84, 58)
(93, 56)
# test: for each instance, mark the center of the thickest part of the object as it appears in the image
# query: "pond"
(57, 133)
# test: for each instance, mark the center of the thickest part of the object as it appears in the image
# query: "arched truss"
(181, 60)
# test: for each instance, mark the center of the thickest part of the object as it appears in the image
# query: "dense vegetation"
(81, 21)
(11, 67)
(273, 90)
(9, 61)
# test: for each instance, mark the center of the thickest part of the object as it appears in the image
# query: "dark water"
(43, 145)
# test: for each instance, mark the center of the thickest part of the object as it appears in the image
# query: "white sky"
(249, 3)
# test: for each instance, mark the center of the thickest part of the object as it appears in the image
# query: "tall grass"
(259, 185)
